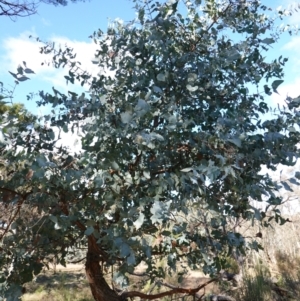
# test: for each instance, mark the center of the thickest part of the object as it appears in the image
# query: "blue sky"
(73, 24)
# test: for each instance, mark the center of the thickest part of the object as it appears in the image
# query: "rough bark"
(100, 289)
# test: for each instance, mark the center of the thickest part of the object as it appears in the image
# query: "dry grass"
(62, 286)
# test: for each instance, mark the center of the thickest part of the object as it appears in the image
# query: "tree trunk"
(99, 287)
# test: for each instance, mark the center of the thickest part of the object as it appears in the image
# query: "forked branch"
(174, 290)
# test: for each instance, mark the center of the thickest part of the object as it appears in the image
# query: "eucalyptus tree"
(174, 132)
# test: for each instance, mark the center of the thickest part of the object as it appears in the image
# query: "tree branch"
(17, 9)
(19, 205)
(174, 290)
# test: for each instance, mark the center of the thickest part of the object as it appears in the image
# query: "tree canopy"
(174, 132)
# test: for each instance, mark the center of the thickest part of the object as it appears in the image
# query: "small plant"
(289, 268)
(232, 265)
(40, 289)
(256, 287)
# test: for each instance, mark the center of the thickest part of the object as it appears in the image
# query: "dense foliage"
(174, 133)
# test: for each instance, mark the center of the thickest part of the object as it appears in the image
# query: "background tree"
(15, 110)
(24, 8)
(172, 147)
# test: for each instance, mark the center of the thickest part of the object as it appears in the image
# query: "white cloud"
(293, 44)
(46, 22)
(70, 140)
(283, 174)
(293, 49)
(286, 90)
(21, 48)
